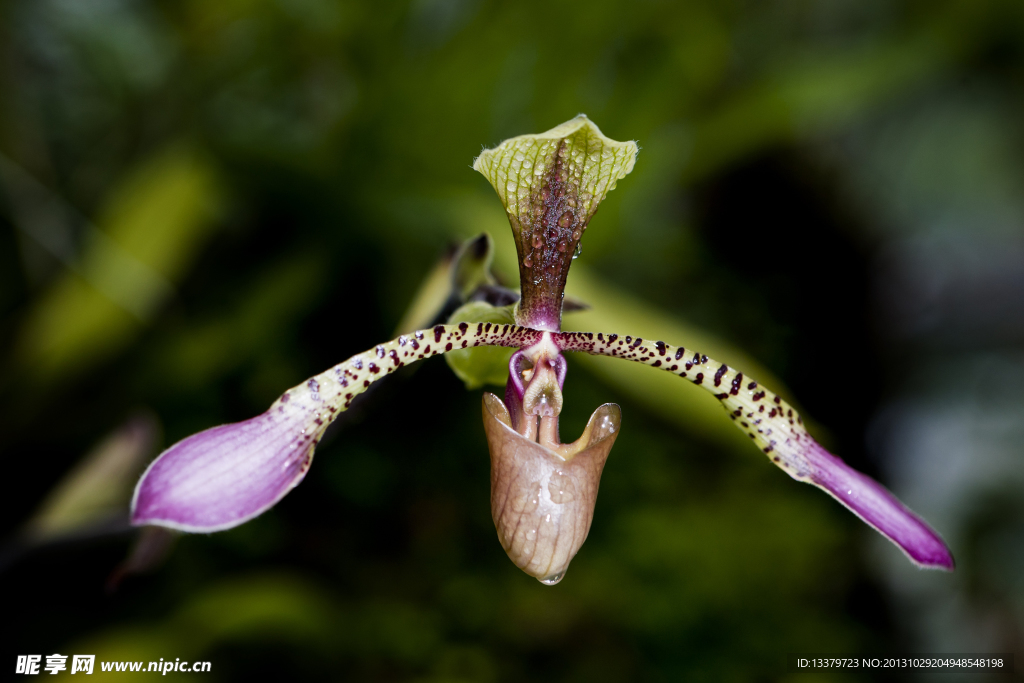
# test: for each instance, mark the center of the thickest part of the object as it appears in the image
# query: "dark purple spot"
(722, 369)
(462, 328)
(286, 397)
(380, 351)
(447, 347)
(374, 369)
(699, 379)
(438, 333)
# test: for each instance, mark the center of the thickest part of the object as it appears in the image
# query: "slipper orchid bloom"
(543, 491)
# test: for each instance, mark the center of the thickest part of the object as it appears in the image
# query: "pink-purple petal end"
(225, 476)
(879, 508)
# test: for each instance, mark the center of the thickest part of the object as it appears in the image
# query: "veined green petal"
(551, 185)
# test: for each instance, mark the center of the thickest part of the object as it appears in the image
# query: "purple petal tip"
(879, 508)
(225, 476)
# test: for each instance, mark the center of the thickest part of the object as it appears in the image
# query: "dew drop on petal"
(537, 241)
(553, 579)
(576, 254)
(565, 220)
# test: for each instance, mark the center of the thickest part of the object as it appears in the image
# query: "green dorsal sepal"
(551, 185)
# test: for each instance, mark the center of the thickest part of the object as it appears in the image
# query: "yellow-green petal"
(551, 185)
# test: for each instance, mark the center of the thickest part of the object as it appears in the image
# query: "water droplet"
(562, 245)
(553, 579)
(528, 261)
(565, 220)
(576, 254)
(537, 241)
(577, 233)
(545, 192)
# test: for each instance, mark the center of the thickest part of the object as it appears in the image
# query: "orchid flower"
(543, 491)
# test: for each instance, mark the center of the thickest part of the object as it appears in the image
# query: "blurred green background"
(204, 203)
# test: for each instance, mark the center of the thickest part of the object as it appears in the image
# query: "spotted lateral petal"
(779, 432)
(551, 184)
(224, 476)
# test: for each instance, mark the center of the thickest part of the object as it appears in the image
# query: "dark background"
(204, 203)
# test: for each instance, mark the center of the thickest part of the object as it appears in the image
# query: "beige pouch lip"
(542, 501)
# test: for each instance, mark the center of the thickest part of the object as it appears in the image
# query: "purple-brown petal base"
(542, 503)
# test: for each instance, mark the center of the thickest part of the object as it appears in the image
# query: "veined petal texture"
(551, 184)
(543, 504)
(224, 476)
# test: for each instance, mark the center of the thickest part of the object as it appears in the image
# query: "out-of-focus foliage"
(203, 203)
